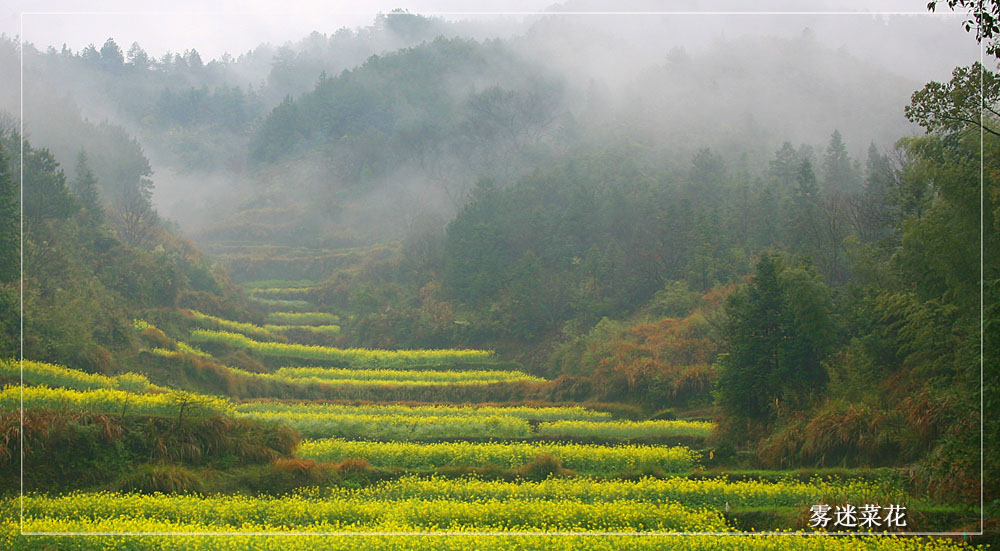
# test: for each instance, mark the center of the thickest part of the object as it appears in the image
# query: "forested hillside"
(431, 276)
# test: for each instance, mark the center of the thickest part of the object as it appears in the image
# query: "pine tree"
(805, 209)
(757, 333)
(869, 209)
(783, 167)
(839, 174)
(137, 57)
(84, 186)
(778, 333)
(111, 55)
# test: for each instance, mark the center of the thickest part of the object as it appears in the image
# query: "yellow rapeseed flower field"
(360, 357)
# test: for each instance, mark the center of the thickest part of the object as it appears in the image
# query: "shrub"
(543, 466)
(152, 478)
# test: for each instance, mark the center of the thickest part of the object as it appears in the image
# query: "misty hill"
(416, 98)
(186, 108)
(407, 134)
(402, 139)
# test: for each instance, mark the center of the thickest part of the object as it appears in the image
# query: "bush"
(150, 479)
(67, 450)
(543, 466)
(354, 465)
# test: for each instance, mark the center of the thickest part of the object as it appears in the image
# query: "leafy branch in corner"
(984, 17)
(958, 104)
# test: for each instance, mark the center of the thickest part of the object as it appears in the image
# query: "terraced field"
(355, 357)
(516, 472)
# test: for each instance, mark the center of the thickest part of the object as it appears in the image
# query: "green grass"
(386, 376)
(282, 304)
(302, 318)
(521, 412)
(324, 330)
(277, 283)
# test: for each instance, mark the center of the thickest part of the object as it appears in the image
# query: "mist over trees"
(763, 230)
(208, 127)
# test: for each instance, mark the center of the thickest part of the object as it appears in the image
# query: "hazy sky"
(212, 27)
(235, 26)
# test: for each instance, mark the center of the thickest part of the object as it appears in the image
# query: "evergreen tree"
(811, 333)
(45, 193)
(90, 54)
(784, 167)
(137, 57)
(779, 331)
(707, 168)
(869, 209)
(759, 322)
(84, 186)
(193, 59)
(839, 174)
(111, 55)
(766, 206)
(804, 209)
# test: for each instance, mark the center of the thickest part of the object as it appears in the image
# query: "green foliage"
(362, 111)
(84, 187)
(589, 265)
(302, 318)
(74, 448)
(153, 479)
(950, 107)
(940, 246)
(274, 303)
(10, 300)
(9, 226)
(10, 303)
(778, 335)
(10, 330)
(46, 196)
(79, 280)
(675, 300)
(569, 413)
(839, 173)
(984, 16)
